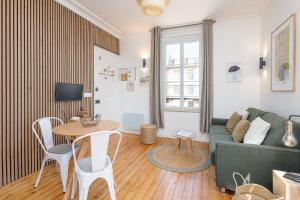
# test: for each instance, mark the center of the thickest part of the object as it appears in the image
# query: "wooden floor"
(136, 179)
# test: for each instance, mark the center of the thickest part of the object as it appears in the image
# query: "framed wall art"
(284, 56)
(234, 72)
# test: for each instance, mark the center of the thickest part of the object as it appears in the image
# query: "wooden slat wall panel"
(41, 43)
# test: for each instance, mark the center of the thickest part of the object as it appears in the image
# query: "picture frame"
(144, 75)
(283, 56)
(130, 86)
(127, 74)
(234, 72)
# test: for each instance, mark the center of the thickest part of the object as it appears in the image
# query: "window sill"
(182, 110)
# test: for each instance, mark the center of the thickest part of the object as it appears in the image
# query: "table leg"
(178, 143)
(83, 151)
(190, 147)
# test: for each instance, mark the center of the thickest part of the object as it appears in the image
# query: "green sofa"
(256, 160)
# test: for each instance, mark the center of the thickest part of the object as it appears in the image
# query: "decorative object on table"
(86, 122)
(262, 63)
(248, 191)
(107, 72)
(186, 135)
(287, 189)
(289, 138)
(168, 157)
(83, 114)
(127, 74)
(144, 73)
(284, 56)
(130, 86)
(153, 8)
(234, 72)
(75, 118)
(148, 133)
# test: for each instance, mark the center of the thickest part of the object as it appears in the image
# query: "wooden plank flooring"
(136, 179)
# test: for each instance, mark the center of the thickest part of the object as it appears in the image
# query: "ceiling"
(127, 17)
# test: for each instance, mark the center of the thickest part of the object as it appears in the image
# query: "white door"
(105, 86)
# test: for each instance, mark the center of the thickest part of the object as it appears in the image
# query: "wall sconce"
(262, 63)
(144, 63)
(107, 72)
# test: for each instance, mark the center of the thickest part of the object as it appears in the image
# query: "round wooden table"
(76, 129)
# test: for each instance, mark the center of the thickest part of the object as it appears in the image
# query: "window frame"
(181, 40)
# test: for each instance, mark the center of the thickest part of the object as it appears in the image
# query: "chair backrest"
(46, 131)
(99, 142)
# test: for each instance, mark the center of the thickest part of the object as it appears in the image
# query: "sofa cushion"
(240, 130)
(233, 121)
(276, 131)
(257, 132)
(214, 139)
(254, 113)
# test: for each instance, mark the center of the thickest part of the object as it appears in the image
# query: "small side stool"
(148, 133)
(188, 138)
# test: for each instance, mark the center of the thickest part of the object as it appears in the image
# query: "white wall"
(133, 48)
(234, 41)
(283, 103)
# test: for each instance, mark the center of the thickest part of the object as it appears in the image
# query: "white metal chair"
(61, 153)
(99, 165)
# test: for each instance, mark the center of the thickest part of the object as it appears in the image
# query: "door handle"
(97, 101)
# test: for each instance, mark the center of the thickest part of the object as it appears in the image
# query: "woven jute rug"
(170, 158)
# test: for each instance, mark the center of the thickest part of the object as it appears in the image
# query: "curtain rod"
(185, 25)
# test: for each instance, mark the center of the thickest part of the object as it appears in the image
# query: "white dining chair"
(98, 165)
(61, 153)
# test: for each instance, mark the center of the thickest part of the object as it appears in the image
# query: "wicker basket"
(148, 134)
(249, 191)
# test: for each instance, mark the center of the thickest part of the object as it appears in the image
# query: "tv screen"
(68, 92)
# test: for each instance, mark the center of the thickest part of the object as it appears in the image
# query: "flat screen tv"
(68, 92)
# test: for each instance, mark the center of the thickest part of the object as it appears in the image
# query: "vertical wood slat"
(41, 43)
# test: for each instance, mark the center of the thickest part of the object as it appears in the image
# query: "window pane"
(191, 73)
(191, 103)
(191, 53)
(172, 102)
(173, 90)
(172, 54)
(173, 74)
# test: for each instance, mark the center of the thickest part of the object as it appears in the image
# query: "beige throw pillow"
(240, 130)
(233, 121)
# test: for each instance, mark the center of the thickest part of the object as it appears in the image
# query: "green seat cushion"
(254, 113)
(218, 130)
(214, 139)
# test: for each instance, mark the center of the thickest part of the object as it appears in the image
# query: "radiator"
(133, 121)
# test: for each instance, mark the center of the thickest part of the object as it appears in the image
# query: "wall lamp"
(262, 63)
(144, 62)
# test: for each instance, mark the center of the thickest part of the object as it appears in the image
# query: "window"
(181, 66)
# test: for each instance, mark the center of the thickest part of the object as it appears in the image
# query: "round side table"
(148, 133)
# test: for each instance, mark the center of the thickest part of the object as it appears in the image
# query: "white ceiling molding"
(90, 16)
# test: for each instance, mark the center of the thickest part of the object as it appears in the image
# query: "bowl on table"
(86, 122)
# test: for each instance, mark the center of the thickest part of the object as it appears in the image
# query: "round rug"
(168, 157)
